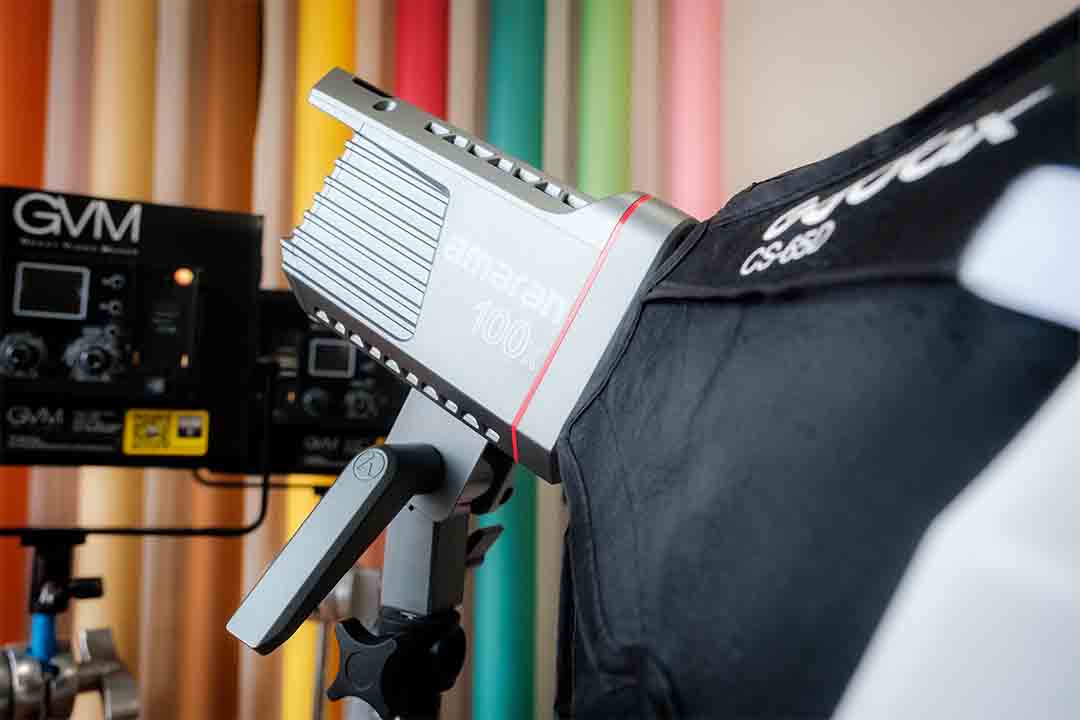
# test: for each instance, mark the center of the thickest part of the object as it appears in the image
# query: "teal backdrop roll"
(504, 650)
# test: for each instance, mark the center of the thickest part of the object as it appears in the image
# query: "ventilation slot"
(489, 156)
(482, 152)
(529, 177)
(437, 130)
(574, 201)
(371, 88)
(441, 131)
(550, 188)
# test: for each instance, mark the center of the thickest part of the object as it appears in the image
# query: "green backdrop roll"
(503, 634)
(604, 97)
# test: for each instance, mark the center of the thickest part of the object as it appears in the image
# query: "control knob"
(315, 401)
(21, 354)
(94, 360)
(361, 405)
(92, 357)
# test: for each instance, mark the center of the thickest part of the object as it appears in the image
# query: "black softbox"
(799, 389)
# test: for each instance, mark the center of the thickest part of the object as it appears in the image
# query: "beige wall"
(807, 78)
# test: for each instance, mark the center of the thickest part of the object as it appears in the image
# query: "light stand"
(432, 473)
(44, 679)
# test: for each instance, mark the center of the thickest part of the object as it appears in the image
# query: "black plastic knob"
(97, 356)
(402, 673)
(85, 588)
(315, 401)
(363, 661)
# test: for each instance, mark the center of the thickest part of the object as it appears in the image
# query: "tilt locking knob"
(402, 672)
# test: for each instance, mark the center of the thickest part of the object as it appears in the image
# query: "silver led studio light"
(485, 284)
(492, 290)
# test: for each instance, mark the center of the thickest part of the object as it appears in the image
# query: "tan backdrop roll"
(260, 676)
(121, 165)
(181, 43)
(560, 152)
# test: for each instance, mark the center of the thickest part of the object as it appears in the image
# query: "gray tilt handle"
(366, 496)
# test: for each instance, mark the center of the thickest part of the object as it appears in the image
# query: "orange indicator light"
(183, 276)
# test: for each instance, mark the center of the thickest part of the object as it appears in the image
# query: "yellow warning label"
(166, 432)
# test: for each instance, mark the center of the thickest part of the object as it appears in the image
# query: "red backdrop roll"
(420, 53)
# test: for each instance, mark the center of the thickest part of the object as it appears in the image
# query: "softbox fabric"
(799, 389)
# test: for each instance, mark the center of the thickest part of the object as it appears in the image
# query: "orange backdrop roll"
(24, 56)
(214, 566)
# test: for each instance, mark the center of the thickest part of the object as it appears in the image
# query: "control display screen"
(331, 358)
(47, 290)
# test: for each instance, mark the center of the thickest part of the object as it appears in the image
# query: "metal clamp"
(32, 690)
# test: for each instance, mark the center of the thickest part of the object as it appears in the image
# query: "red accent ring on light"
(570, 317)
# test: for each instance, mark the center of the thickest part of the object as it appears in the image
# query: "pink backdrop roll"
(694, 123)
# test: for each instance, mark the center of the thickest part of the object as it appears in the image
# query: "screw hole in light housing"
(385, 105)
